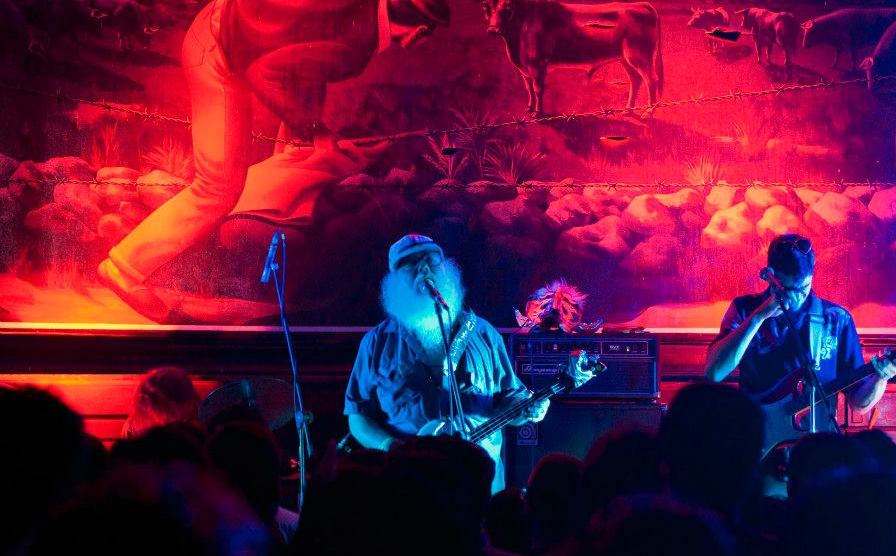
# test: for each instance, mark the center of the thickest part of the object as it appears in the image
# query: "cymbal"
(271, 397)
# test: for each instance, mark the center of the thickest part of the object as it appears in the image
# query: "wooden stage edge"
(96, 369)
(323, 352)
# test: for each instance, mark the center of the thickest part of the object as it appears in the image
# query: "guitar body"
(777, 403)
(438, 427)
(783, 426)
(786, 404)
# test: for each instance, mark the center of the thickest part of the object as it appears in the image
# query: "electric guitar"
(582, 368)
(786, 403)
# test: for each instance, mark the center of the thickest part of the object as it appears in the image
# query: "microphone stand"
(301, 417)
(455, 408)
(815, 387)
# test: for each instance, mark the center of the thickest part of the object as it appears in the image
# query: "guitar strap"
(460, 341)
(816, 333)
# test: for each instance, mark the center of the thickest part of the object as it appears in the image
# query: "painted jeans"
(221, 130)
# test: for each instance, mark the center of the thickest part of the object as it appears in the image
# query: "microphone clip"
(435, 294)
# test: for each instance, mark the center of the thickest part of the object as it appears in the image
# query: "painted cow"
(51, 20)
(14, 40)
(131, 21)
(850, 30)
(882, 62)
(539, 34)
(709, 20)
(772, 28)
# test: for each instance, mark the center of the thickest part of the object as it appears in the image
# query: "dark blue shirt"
(393, 384)
(773, 354)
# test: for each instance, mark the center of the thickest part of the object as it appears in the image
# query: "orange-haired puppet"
(556, 306)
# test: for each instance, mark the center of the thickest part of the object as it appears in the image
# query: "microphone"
(768, 275)
(434, 293)
(269, 261)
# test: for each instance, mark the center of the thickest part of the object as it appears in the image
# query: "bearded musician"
(399, 380)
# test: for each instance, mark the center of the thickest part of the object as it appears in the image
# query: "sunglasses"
(801, 244)
(798, 289)
(412, 261)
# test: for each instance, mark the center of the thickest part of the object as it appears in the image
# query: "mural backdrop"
(643, 151)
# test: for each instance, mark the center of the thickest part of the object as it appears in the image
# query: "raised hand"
(582, 367)
(537, 411)
(769, 308)
(884, 365)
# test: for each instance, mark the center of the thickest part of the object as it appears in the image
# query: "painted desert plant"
(513, 164)
(706, 171)
(446, 157)
(172, 156)
(478, 135)
(103, 148)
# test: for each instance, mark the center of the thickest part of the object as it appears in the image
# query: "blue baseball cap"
(409, 245)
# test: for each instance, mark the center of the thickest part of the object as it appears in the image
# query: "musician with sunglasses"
(754, 335)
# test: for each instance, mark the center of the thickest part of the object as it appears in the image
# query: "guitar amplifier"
(631, 359)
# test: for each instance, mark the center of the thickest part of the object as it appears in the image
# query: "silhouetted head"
(819, 458)
(844, 516)
(171, 443)
(711, 441)
(347, 513)
(247, 456)
(150, 510)
(164, 395)
(507, 522)
(43, 458)
(880, 445)
(619, 463)
(550, 494)
(440, 488)
(653, 524)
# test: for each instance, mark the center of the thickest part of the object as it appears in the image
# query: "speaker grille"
(570, 427)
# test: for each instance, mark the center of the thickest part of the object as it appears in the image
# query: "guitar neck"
(501, 420)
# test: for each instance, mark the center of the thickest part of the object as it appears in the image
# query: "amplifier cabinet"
(631, 359)
(570, 427)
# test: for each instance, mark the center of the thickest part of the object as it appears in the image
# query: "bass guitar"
(581, 368)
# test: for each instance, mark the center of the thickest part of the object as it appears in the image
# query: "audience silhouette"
(175, 488)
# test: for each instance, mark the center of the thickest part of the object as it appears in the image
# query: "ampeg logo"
(527, 435)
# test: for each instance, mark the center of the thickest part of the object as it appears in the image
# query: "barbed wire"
(525, 185)
(644, 110)
(59, 96)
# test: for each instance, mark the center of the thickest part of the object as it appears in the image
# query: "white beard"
(413, 308)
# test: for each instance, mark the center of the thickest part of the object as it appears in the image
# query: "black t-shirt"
(773, 353)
